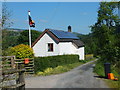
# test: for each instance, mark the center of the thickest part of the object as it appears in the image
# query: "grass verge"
(99, 69)
(62, 68)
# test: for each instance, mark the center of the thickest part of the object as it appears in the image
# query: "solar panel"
(62, 34)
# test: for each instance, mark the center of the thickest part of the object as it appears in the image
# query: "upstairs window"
(50, 47)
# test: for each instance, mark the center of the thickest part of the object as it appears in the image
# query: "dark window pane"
(50, 46)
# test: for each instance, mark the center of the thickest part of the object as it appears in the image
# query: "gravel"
(80, 77)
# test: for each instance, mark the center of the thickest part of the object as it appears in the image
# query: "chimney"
(69, 29)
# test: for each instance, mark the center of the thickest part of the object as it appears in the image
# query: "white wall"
(78, 51)
(41, 48)
(70, 48)
(65, 48)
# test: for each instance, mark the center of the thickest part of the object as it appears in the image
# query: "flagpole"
(29, 32)
(119, 9)
(29, 37)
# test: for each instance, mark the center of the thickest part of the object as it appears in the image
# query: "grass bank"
(62, 68)
(99, 69)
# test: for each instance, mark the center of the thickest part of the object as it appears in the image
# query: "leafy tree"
(90, 46)
(24, 36)
(9, 39)
(21, 51)
(104, 32)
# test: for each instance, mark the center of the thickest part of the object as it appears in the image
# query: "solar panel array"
(63, 35)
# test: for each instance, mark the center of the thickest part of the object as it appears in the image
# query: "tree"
(6, 14)
(104, 32)
(24, 36)
(21, 51)
(88, 41)
(9, 39)
(5, 22)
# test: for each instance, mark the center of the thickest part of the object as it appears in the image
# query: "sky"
(55, 0)
(54, 15)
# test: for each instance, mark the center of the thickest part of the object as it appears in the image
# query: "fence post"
(12, 62)
(21, 79)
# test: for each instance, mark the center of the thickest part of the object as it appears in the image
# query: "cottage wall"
(70, 48)
(41, 47)
(62, 48)
(65, 48)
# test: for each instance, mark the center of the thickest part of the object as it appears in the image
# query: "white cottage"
(56, 42)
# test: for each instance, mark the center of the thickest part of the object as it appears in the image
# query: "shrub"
(21, 51)
(41, 63)
(40, 73)
(48, 70)
(88, 56)
(56, 70)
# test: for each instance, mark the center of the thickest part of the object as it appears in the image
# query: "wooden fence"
(12, 75)
(29, 68)
(12, 72)
(12, 62)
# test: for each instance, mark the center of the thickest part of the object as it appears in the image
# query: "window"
(50, 47)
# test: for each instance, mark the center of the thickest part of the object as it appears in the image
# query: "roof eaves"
(49, 33)
(53, 37)
(78, 43)
(39, 37)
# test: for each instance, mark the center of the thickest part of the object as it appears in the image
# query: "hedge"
(41, 63)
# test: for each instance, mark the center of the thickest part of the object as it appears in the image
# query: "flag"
(31, 22)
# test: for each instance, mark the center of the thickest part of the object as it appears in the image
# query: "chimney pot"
(69, 29)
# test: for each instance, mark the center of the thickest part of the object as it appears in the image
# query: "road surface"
(80, 77)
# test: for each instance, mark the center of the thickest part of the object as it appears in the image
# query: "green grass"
(99, 69)
(62, 68)
(112, 83)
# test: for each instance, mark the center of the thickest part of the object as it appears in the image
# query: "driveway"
(80, 77)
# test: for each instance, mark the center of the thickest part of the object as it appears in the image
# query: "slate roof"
(78, 43)
(61, 36)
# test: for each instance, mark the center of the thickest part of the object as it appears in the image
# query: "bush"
(50, 71)
(88, 56)
(41, 63)
(21, 51)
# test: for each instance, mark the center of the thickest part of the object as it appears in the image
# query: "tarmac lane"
(80, 77)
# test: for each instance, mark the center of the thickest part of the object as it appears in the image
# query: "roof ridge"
(62, 31)
(56, 29)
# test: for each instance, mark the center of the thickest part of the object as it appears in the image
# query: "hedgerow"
(42, 63)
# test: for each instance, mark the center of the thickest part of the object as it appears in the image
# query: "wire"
(54, 13)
